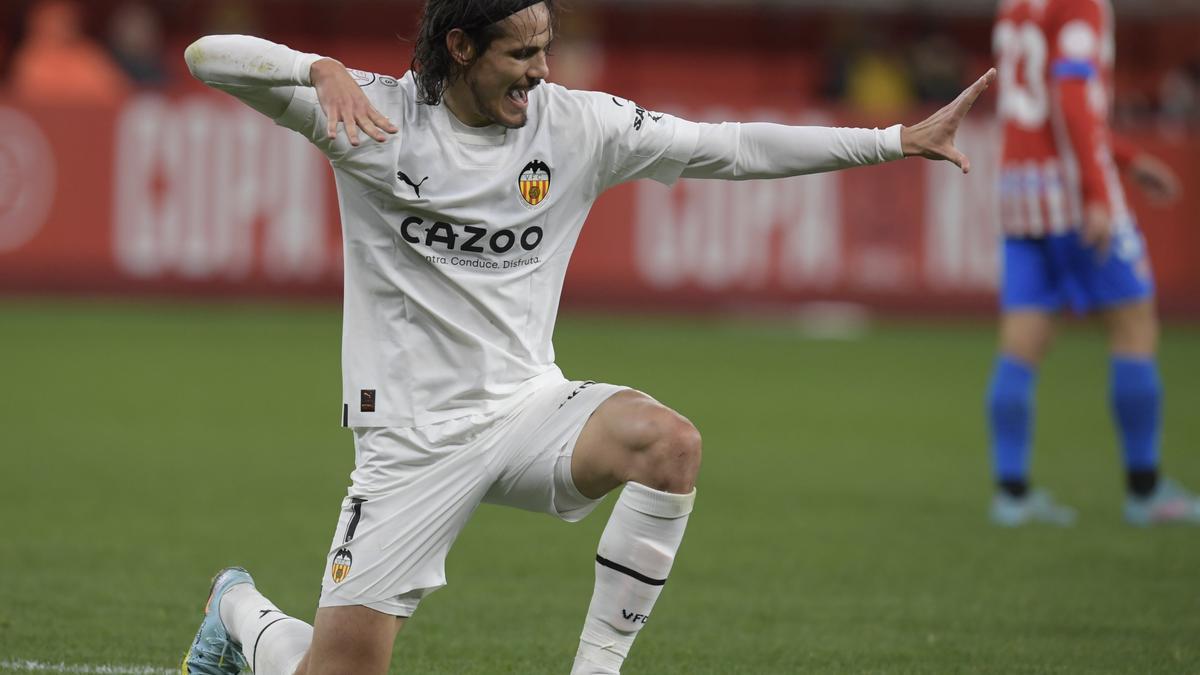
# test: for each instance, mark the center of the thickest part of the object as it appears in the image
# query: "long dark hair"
(432, 63)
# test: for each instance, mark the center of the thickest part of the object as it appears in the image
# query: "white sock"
(272, 642)
(634, 558)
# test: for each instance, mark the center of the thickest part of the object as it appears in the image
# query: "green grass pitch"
(839, 528)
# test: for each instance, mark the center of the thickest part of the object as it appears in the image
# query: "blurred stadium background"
(170, 271)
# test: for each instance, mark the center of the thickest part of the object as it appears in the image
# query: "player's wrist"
(907, 147)
(322, 68)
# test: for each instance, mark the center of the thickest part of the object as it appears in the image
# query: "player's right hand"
(1155, 178)
(345, 103)
(933, 138)
(1097, 227)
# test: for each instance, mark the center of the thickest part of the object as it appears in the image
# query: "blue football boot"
(214, 652)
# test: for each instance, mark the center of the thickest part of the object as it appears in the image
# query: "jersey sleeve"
(633, 142)
(1076, 39)
(262, 74)
(747, 151)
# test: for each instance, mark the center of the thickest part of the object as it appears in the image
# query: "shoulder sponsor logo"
(362, 77)
(639, 117)
(388, 81)
(639, 114)
(534, 182)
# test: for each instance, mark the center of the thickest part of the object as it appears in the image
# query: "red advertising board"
(193, 193)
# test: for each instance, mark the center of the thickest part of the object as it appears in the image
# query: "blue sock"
(1136, 396)
(1010, 415)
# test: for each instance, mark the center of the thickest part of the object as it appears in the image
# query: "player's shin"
(1136, 396)
(272, 642)
(1010, 417)
(635, 556)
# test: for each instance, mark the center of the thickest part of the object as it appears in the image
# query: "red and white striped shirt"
(1055, 61)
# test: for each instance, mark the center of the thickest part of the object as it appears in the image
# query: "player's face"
(497, 84)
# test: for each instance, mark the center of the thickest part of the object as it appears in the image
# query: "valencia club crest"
(534, 182)
(342, 561)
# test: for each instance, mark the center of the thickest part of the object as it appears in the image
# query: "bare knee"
(1133, 329)
(670, 458)
(1026, 335)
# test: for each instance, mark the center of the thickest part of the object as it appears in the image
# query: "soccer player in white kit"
(463, 186)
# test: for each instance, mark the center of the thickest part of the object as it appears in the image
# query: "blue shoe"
(1035, 507)
(1169, 503)
(214, 652)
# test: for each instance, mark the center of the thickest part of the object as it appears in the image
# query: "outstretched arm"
(265, 75)
(747, 151)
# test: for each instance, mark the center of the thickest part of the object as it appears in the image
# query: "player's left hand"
(934, 137)
(345, 104)
(1097, 228)
(1155, 178)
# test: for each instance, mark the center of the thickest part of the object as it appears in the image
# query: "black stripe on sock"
(628, 572)
(254, 656)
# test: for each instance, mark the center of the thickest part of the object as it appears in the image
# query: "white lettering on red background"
(789, 234)
(210, 191)
(961, 232)
(27, 179)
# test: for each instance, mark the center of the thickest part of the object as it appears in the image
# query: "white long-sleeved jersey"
(457, 239)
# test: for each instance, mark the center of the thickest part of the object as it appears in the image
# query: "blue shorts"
(1045, 274)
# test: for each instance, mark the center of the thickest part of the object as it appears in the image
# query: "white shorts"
(413, 490)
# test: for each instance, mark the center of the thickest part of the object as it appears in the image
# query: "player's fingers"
(1091, 239)
(973, 92)
(960, 160)
(351, 129)
(364, 122)
(382, 121)
(331, 122)
(983, 83)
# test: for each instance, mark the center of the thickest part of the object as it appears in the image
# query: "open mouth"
(520, 97)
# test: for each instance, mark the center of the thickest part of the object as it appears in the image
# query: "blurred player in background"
(1069, 238)
(463, 187)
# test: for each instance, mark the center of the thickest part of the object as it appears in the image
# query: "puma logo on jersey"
(415, 186)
